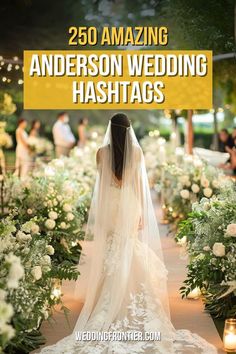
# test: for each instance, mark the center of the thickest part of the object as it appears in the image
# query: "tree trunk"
(190, 132)
(215, 142)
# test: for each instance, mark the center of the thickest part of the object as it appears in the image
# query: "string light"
(9, 65)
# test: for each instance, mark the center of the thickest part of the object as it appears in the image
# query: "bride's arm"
(22, 139)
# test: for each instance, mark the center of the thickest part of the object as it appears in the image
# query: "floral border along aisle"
(209, 236)
(39, 244)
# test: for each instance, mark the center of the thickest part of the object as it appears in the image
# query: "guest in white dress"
(23, 156)
(35, 127)
(82, 132)
(63, 137)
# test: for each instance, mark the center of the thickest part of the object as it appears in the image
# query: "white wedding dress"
(126, 288)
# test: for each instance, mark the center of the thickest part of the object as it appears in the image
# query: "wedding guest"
(64, 139)
(35, 127)
(23, 155)
(225, 140)
(231, 163)
(82, 131)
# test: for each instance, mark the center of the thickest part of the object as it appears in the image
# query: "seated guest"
(234, 133)
(225, 140)
(231, 164)
(64, 139)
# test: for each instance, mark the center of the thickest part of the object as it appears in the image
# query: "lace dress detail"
(144, 314)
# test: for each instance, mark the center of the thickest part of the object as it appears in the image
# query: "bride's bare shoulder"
(101, 151)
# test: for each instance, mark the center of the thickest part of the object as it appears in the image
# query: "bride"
(126, 288)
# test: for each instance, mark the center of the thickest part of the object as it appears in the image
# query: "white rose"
(216, 183)
(53, 215)
(204, 182)
(59, 163)
(3, 294)
(197, 163)
(36, 272)
(22, 237)
(59, 198)
(50, 250)
(206, 206)
(184, 179)
(207, 192)
(55, 202)
(195, 188)
(206, 248)
(50, 224)
(7, 330)
(6, 312)
(231, 230)
(63, 225)
(49, 203)
(182, 241)
(70, 217)
(67, 208)
(35, 228)
(29, 211)
(45, 260)
(184, 194)
(16, 272)
(218, 249)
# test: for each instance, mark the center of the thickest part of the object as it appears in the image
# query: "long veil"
(116, 221)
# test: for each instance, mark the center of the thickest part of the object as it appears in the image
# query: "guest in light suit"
(64, 139)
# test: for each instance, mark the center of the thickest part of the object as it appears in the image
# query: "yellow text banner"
(118, 79)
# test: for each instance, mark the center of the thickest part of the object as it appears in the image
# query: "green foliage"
(209, 236)
(64, 271)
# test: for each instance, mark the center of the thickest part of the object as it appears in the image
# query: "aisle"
(187, 314)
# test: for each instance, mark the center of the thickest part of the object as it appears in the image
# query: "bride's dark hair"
(119, 125)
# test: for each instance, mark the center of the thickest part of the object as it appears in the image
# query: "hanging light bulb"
(4, 79)
(8, 80)
(15, 58)
(17, 67)
(20, 81)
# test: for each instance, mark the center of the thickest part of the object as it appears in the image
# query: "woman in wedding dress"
(126, 289)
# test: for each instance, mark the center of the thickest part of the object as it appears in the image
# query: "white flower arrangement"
(48, 213)
(209, 234)
(40, 146)
(186, 183)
